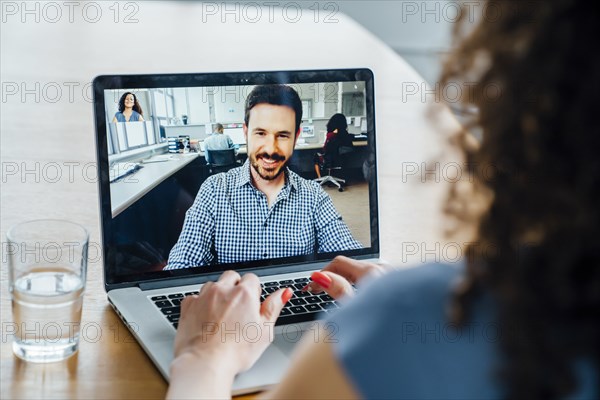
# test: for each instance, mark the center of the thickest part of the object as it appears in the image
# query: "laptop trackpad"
(289, 337)
(267, 371)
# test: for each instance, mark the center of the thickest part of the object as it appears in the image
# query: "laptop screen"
(299, 187)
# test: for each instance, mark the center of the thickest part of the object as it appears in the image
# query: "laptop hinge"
(196, 280)
(190, 280)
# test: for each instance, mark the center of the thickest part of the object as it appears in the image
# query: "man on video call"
(262, 209)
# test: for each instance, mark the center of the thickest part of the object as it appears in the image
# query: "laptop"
(143, 210)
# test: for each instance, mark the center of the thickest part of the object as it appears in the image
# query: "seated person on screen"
(129, 109)
(261, 209)
(337, 135)
(217, 141)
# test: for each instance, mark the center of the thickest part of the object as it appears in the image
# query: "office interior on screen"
(157, 165)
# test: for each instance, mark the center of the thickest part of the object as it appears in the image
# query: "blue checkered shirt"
(231, 221)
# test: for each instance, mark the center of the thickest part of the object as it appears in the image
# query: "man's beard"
(268, 174)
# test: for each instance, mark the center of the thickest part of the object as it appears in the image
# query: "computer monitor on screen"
(236, 134)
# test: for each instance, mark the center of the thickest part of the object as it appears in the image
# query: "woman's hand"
(222, 331)
(340, 274)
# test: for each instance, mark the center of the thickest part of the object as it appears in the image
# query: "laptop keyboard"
(302, 307)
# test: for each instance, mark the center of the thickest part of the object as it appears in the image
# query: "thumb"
(335, 285)
(274, 303)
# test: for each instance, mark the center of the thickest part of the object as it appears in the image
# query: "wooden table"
(48, 153)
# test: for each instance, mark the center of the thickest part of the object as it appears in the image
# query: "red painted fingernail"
(321, 279)
(305, 288)
(287, 295)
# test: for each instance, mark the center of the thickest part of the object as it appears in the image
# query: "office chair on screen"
(332, 160)
(221, 161)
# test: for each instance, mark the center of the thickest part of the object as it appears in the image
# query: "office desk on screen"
(131, 188)
(302, 161)
(318, 146)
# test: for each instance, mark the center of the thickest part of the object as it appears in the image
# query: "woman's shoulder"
(409, 285)
(394, 335)
(416, 293)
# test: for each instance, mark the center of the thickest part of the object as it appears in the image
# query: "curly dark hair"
(136, 106)
(542, 212)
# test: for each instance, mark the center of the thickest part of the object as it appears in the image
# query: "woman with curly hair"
(523, 320)
(129, 109)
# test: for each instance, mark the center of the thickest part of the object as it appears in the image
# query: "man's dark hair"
(278, 95)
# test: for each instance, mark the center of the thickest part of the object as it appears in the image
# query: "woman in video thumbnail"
(129, 109)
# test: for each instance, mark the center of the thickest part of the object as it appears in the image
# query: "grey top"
(393, 340)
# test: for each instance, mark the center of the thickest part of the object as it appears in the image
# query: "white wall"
(198, 105)
(324, 97)
(180, 102)
(229, 104)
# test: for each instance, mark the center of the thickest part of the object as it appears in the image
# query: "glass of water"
(47, 266)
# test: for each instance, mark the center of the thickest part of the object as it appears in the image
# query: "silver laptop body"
(142, 208)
